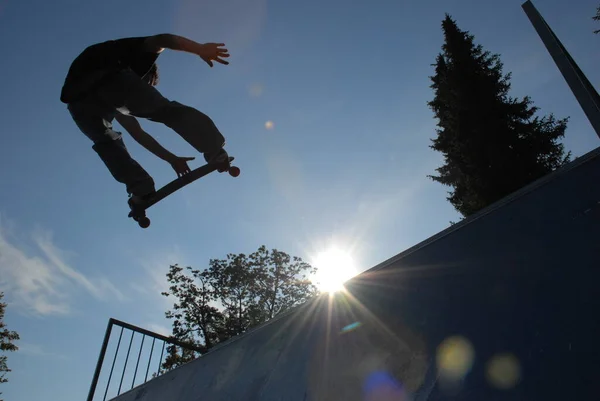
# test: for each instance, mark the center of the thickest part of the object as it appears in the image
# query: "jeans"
(126, 93)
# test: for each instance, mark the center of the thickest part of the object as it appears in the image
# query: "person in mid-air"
(115, 80)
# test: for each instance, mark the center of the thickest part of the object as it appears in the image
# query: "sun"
(334, 268)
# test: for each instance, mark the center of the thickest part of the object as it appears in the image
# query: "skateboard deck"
(138, 213)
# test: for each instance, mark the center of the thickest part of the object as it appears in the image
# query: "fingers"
(217, 45)
(217, 59)
(180, 166)
(216, 53)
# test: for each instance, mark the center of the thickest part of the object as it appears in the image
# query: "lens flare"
(351, 327)
(455, 357)
(503, 371)
(381, 386)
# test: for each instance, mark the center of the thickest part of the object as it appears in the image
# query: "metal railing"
(144, 333)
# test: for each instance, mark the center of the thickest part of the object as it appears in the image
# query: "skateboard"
(138, 212)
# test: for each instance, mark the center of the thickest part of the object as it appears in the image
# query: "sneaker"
(137, 200)
(216, 157)
(219, 157)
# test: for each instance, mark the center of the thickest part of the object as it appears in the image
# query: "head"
(152, 76)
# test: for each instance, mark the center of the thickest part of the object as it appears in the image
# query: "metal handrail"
(134, 329)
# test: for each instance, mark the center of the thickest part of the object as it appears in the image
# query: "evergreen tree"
(492, 144)
(7, 338)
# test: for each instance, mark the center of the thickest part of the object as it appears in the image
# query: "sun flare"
(334, 268)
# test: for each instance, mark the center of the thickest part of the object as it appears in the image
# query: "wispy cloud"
(36, 274)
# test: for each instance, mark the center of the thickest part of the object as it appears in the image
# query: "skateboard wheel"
(234, 171)
(144, 222)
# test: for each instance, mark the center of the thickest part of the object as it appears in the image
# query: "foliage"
(7, 339)
(492, 144)
(231, 296)
(597, 18)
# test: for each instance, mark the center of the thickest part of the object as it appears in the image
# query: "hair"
(152, 76)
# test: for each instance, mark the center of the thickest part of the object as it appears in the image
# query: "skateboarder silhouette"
(115, 80)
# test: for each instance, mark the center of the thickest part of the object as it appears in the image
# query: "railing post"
(100, 360)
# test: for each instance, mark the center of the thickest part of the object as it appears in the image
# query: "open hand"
(212, 51)
(180, 165)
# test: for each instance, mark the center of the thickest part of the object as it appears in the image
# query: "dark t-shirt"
(98, 61)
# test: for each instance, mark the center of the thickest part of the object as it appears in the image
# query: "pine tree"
(493, 144)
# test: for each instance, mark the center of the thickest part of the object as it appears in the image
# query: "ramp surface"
(502, 306)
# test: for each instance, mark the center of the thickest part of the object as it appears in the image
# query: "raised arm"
(207, 51)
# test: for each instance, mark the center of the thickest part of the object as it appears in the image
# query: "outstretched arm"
(206, 51)
(136, 131)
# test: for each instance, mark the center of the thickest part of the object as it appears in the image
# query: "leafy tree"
(234, 281)
(176, 356)
(231, 296)
(195, 320)
(193, 316)
(597, 18)
(282, 281)
(6, 342)
(492, 143)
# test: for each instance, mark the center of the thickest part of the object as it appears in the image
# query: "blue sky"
(345, 162)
